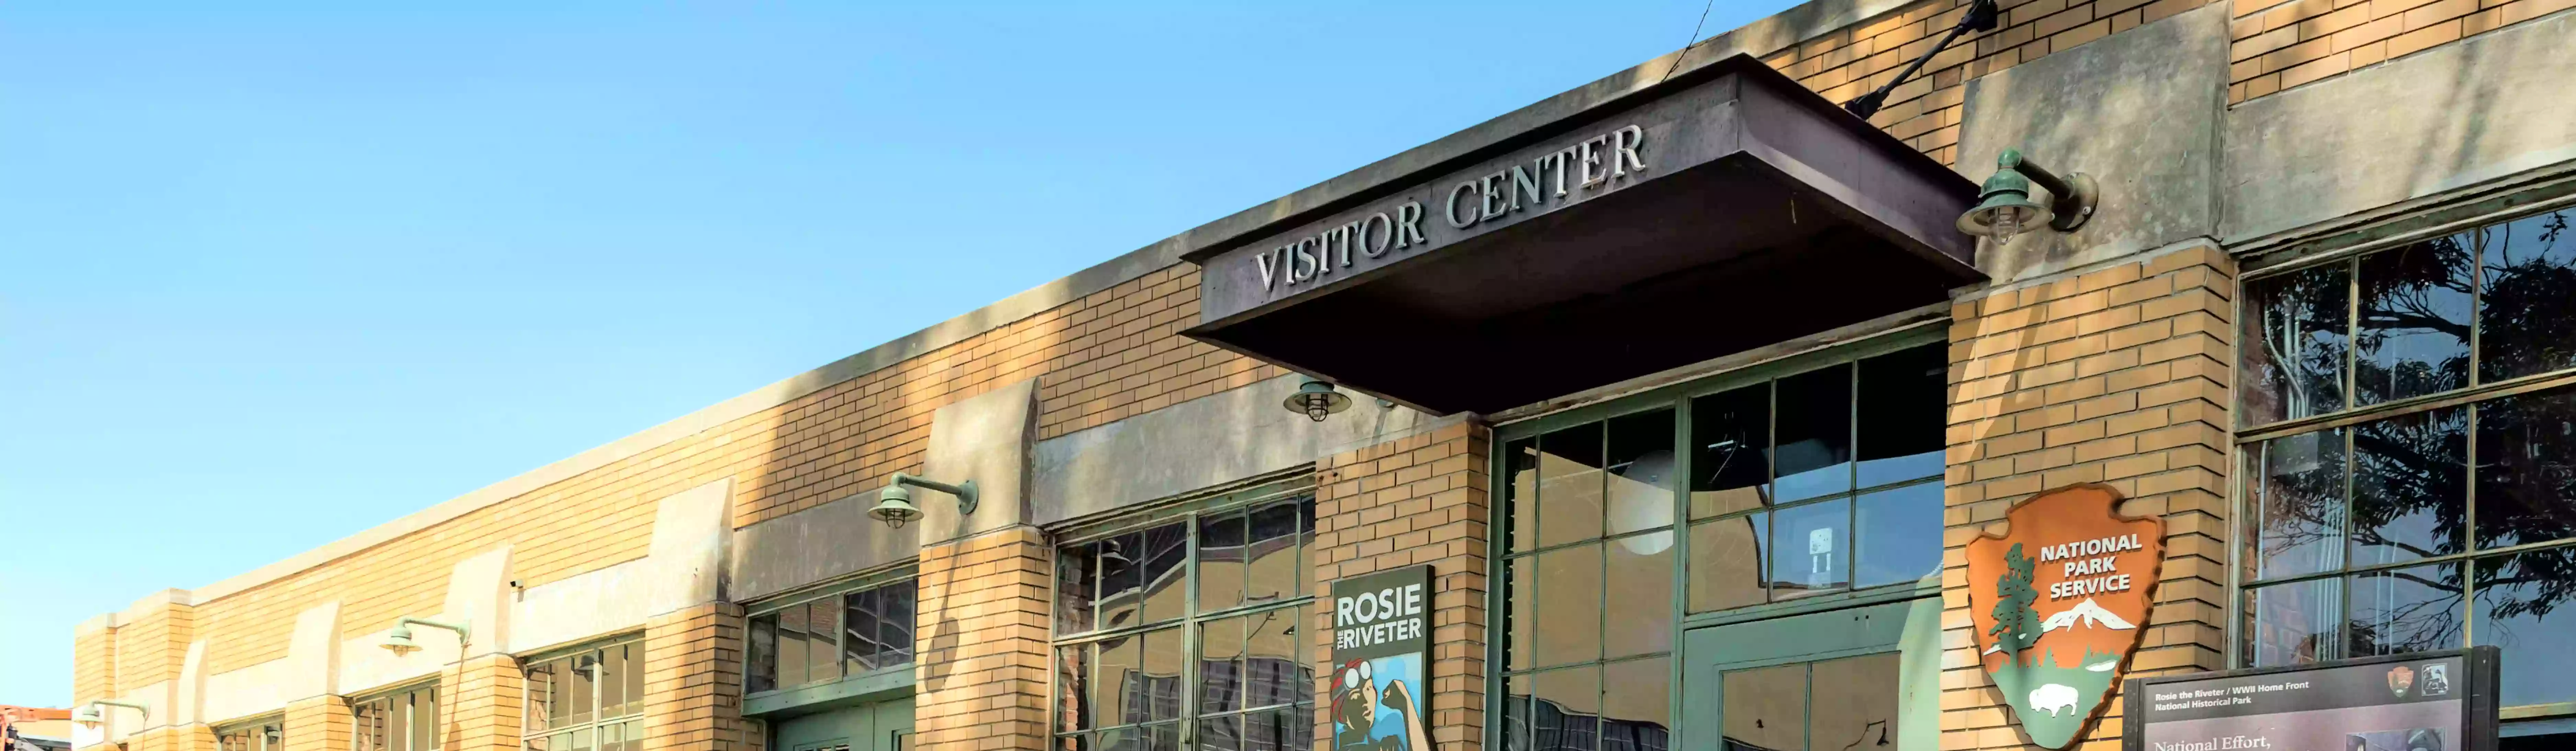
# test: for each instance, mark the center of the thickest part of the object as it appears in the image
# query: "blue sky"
(272, 275)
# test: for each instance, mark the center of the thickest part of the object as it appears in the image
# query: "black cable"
(1981, 17)
(1688, 44)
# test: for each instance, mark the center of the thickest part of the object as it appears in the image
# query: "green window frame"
(401, 719)
(588, 698)
(1659, 487)
(1213, 593)
(257, 734)
(2406, 451)
(870, 617)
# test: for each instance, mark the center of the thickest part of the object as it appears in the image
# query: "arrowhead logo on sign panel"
(2059, 602)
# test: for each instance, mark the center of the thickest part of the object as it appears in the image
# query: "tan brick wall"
(93, 665)
(693, 680)
(1925, 111)
(981, 635)
(318, 724)
(152, 648)
(183, 738)
(2117, 376)
(2278, 44)
(1413, 501)
(482, 698)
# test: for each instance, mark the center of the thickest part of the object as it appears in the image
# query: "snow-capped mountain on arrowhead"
(2085, 613)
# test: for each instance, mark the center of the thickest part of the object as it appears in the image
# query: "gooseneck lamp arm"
(138, 708)
(1981, 17)
(464, 631)
(964, 491)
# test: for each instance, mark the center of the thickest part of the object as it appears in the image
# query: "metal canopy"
(1728, 208)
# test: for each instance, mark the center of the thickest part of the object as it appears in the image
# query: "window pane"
(1074, 693)
(1639, 593)
(612, 682)
(1122, 581)
(541, 686)
(398, 723)
(1569, 494)
(1119, 677)
(2528, 295)
(1221, 665)
(1731, 441)
(2412, 335)
(1275, 575)
(1163, 738)
(1636, 705)
(2295, 624)
(1274, 674)
(1765, 707)
(1223, 559)
(1518, 732)
(1165, 548)
(1897, 536)
(2299, 505)
(584, 679)
(1076, 579)
(1904, 415)
(1810, 548)
(860, 631)
(1164, 657)
(2406, 610)
(1854, 702)
(1124, 739)
(2410, 486)
(2527, 469)
(1726, 562)
(1641, 472)
(824, 617)
(1569, 609)
(792, 640)
(1568, 709)
(2293, 344)
(1815, 433)
(897, 606)
(1521, 577)
(1269, 731)
(1520, 492)
(2517, 595)
(1221, 733)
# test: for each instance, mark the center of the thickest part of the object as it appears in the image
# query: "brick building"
(1668, 380)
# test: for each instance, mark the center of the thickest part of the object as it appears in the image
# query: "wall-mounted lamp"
(93, 714)
(894, 504)
(399, 641)
(1316, 399)
(2004, 207)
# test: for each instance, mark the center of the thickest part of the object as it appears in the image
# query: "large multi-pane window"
(256, 735)
(591, 699)
(2408, 453)
(1801, 484)
(831, 635)
(1187, 624)
(401, 720)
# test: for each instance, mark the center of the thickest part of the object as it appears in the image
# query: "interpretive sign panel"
(1381, 651)
(2426, 701)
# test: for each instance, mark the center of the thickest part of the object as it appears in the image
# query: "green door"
(876, 726)
(1857, 679)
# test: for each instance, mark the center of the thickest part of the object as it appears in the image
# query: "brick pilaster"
(320, 723)
(2117, 376)
(482, 697)
(693, 678)
(1412, 501)
(981, 677)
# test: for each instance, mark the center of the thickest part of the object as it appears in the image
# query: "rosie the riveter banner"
(1381, 643)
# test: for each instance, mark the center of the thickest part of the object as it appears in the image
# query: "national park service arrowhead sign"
(2060, 601)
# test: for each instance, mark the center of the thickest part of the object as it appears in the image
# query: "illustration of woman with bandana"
(1356, 698)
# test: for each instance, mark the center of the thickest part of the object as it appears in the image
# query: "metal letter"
(1305, 257)
(1559, 159)
(1454, 221)
(1268, 262)
(1350, 235)
(1587, 158)
(1626, 141)
(1495, 201)
(1375, 220)
(1408, 224)
(1525, 182)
